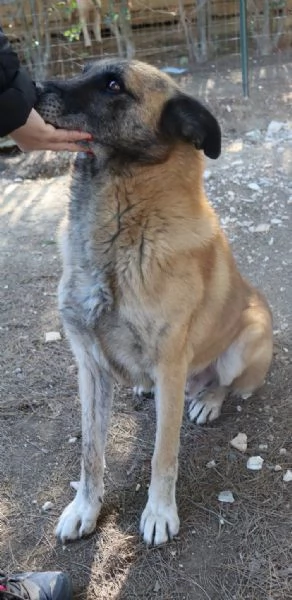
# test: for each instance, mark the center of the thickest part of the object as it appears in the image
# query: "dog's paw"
(205, 408)
(159, 523)
(77, 520)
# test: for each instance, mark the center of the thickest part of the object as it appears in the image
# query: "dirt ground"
(239, 551)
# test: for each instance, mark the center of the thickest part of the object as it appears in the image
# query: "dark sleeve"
(17, 90)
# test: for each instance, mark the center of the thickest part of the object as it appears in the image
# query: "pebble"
(261, 228)
(277, 468)
(52, 336)
(226, 496)
(274, 128)
(138, 486)
(47, 506)
(211, 464)
(157, 586)
(254, 187)
(263, 446)
(207, 175)
(72, 440)
(255, 463)
(240, 442)
(283, 451)
(287, 476)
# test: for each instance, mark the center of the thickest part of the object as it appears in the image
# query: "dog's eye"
(113, 86)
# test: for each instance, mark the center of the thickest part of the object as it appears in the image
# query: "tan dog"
(86, 10)
(150, 292)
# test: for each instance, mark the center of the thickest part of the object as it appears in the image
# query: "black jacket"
(17, 90)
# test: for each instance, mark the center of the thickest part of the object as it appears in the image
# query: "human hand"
(38, 135)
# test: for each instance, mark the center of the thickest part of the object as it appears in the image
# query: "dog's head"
(131, 109)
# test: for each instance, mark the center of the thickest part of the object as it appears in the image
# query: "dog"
(87, 8)
(150, 293)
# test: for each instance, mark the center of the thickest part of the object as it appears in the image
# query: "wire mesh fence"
(56, 37)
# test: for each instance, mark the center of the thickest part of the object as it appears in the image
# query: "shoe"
(35, 586)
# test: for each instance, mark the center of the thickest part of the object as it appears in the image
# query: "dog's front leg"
(95, 386)
(160, 521)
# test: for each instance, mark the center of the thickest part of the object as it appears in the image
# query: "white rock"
(47, 506)
(240, 442)
(211, 464)
(138, 486)
(255, 463)
(226, 496)
(254, 187)
(263, 446)
(157, 587)
(52, 336)
(261, 228)
(72, 440)
(287, 476)
(277, 468)
(207, 174)
(254, 135)
(283, 451)
(276, 221)
(274, 128)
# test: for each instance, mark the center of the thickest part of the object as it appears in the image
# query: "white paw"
(77, 520)
(204, 409)
(159, 523)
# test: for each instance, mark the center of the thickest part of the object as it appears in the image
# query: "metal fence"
(55, 37)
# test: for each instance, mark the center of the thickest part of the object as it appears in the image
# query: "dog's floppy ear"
(184, 118)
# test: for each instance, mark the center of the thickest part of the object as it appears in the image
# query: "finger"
(63, 135)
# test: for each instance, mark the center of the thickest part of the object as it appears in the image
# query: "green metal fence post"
(244, 48)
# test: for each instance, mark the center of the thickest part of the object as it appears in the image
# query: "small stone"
(261, 228)
(157, 586)
(246, 396)
(52, 336)
(276, 221)
(254, 187)
(287, 476)
(226, 496)
(138, 486)
(239, 442)
(239, 408)
(207, 175)
(47, 506)
(254, 135)
(277, 468)
(255, 463)
(72, 440)
(263, 446)
(211, 464)
(274, 128)
(283, 451)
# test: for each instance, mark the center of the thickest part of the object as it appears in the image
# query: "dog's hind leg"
(95, 387)
(159, 520)
(242, 368)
